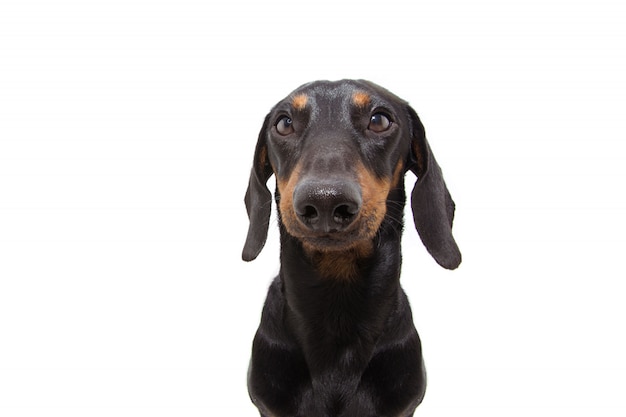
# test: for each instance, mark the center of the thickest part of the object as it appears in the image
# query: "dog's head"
(339, 150)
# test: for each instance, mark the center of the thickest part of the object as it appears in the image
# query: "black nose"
(327, 206)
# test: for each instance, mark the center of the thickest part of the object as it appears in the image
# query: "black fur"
(344, 343)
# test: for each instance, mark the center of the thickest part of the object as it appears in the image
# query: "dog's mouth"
(333, 241)
(360, 232)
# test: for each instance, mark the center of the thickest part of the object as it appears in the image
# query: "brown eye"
(284, 126)
(379, 123)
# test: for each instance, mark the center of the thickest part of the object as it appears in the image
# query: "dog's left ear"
(258, 198)
(432, 205)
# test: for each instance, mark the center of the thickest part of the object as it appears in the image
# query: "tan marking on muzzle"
(286, 187)
(374, 192)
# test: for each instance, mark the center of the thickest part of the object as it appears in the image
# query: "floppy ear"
(258, 198)
(432, 205)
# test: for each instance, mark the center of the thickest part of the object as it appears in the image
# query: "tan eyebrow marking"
(361, 99)
(299, 101)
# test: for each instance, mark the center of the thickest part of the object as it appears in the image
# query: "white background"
(126, 136)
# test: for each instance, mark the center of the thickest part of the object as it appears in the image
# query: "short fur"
(336, 336)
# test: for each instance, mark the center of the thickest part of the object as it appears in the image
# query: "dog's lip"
(330, 241)
(335, 235)
(336, 239)
(331, 236)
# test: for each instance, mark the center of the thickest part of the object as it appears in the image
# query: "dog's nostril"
(310, 213)
(344, 213)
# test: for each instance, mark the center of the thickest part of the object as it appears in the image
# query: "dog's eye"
(284, 126)
(379, 123)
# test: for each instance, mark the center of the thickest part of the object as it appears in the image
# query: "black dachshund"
(336, 336)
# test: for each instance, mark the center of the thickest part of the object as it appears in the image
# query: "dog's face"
(338, 151)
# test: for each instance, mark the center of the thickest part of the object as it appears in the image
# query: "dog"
(336, 336)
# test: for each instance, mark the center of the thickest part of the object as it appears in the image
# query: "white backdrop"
(126, 136)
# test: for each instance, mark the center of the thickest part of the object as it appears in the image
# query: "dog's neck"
(337, 322)
(343, 297)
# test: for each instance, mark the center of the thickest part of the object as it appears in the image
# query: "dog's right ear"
(258, 198)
